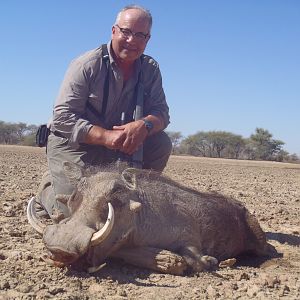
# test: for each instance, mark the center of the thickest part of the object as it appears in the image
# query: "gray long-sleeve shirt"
(84, 82)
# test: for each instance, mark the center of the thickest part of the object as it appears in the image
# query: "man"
(86, 127)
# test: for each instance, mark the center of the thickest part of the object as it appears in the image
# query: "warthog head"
(99, 199)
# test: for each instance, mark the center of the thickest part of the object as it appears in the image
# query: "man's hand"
(126, 138)
(135, 133)
(112, 139)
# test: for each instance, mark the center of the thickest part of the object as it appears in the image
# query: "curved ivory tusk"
(102, 234)
(95, 269)
(32, 217)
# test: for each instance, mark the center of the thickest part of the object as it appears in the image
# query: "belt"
(56, 133)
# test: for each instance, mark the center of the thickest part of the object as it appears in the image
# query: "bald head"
(137, 12)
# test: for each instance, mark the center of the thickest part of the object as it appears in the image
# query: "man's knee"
(159, 141)
(157, 150)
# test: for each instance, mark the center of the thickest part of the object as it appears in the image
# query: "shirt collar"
(137, 63)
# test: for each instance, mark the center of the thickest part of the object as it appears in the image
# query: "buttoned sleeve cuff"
(76, 134)
(79, 132)
(164, 116)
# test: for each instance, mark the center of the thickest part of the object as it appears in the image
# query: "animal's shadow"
(250, 260)
(123, 273)
(284, 238)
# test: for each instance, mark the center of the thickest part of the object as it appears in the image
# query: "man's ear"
(73, 172)
(113, 31)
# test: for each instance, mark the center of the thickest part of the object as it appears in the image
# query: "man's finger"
(118, 139)
(121, 127)
(129, 145)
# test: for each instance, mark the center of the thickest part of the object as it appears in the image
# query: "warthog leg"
(160, 260)
(197, 261)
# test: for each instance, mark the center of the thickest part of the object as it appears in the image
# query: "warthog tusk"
(95, 269)
(102, 234)
(33, 219)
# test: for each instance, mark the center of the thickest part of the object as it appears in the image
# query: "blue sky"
(226, 65)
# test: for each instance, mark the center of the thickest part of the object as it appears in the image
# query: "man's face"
(130, 35)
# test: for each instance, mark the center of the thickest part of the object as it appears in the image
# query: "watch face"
(148, 124)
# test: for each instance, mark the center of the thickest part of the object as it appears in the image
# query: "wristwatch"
(148, 124)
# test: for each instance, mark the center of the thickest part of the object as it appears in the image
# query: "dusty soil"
(270, 190)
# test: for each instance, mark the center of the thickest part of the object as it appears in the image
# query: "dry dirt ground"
(270, 190)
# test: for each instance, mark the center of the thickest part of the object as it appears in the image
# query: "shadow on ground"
(284, 238)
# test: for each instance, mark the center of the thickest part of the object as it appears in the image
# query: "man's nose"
(130, 38)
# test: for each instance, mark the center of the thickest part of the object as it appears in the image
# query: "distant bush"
(17, 133)
(259, 146)
(29, 140)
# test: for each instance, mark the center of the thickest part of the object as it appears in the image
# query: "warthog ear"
(135, 206)
(129, 178)
(73, 172)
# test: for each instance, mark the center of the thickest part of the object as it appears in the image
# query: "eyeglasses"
(128, 33)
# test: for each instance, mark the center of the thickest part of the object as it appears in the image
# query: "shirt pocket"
(95, 100)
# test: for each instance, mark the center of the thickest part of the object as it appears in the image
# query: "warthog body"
(158, 224)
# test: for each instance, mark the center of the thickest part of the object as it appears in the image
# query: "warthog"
(149, 221)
